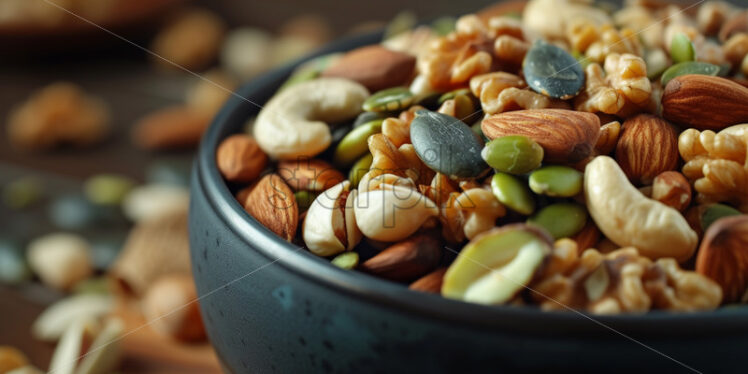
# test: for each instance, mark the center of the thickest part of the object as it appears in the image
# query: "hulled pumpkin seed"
(346, 260)
(389, 100)
(360, 168)
(513, 193)
(354, 144)
(562, 220)
(681, 49)
(715, 212)
(514, 154)
(556, 181)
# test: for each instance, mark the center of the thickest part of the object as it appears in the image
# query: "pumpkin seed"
(514, 154)
(304, 199)
(354, 144)
(360, 168)
(556, 181)
(681, 49)
(443, 25)
(107, 189)
(447, 145)
(513, 193)
(562, 220)
(552, 71)
(715, 212)
(346, 260)
(366, 117)
(690, 67)
(496, 265)
(389, 100)
(452, 94)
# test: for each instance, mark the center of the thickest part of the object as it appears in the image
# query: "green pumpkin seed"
(360, 168)
(354, 145)
(681, 49)
(715, 212)
(583, 60)
(513, 193)
(514, 154)
(403, 21)
(299, 77)
(556, 181)
(452, 94)
(496, 265)
(366, 117)
(562, 220)
(551, 71)
(304, 199)
(108, 189)
(389, 100)
(443, 25)
(690, 67)
(346, 260)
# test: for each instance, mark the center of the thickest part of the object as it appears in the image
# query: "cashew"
(294, 122)
(392, 212)
(330, 225)
(628, 218)
(552, 24)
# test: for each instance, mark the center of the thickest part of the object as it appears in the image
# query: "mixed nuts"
(585, 158)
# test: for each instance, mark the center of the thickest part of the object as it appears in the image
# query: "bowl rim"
(294, 259)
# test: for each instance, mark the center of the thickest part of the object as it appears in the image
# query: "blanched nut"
(61, 260)
(717, 164)
(488, 87)
(628, 218)
(294, 122)
(455, 58)
(552, 24)
(330, 225)
(620, 281)
(390, 211)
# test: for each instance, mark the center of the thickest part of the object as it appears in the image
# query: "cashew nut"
(294, 122)
(628, 218)
(552, 24)
(392, 212)
(330, 225)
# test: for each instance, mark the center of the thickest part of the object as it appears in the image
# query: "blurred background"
(96, 143)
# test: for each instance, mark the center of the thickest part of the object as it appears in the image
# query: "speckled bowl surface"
(271, 307)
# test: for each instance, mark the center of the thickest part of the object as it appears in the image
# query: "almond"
(588, 237)
(647, 147)
(272, 203)
(240, 159)
(672, 189)
(407, 260)
(309, 175)
(374, 66)
(566, 136)
(723, 256)
(170, 128)
(431, 282)
(705, 102)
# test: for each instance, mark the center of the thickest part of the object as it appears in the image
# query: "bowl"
(272, 307)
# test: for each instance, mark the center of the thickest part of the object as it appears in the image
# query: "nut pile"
(584, 158)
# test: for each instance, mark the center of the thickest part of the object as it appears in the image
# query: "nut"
(171, 304)
(736, 49)
(608, 139)
(272, 203)
(61, 260)
(647, 147)
(565, 135)
(430, 283)
(712, 15)
(170, 128)
(672, 189)
(628, 218)
(552, 25)
(406, 260)
(375, 67)
(389, 212)
(209, 94)
(60, 113)
(52, 323)
(190, 41)
(309, 175)
(736, 24)
(11, 359)
(240, 159)
(686, 96)
(723, 255)
(293, 123)
(150, 201)
(496, 265)
(330, 225)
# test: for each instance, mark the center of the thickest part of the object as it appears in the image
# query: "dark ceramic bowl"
(271, 307)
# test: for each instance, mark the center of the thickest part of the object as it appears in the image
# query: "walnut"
(581, 34)
(621, 281)
(515, 99)
(509, 49)
(455, 58)
(717, 164)
(598, 96)
(488, 87)
(397, 130)
(612, 41)
(627, 74)
(467, 214)
(508, 26)
(58, 114)
(643, 20)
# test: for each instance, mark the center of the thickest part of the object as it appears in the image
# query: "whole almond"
(672, 189)
(240, 159)
(309, 175)
(431, 282)
(407, 260)
(723, 255)
(373, 66)
(272, 203)
(170, 128)
(566, 136)
(647, 147)
(705, 102)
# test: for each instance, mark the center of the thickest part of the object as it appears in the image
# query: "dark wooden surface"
(123, 77)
